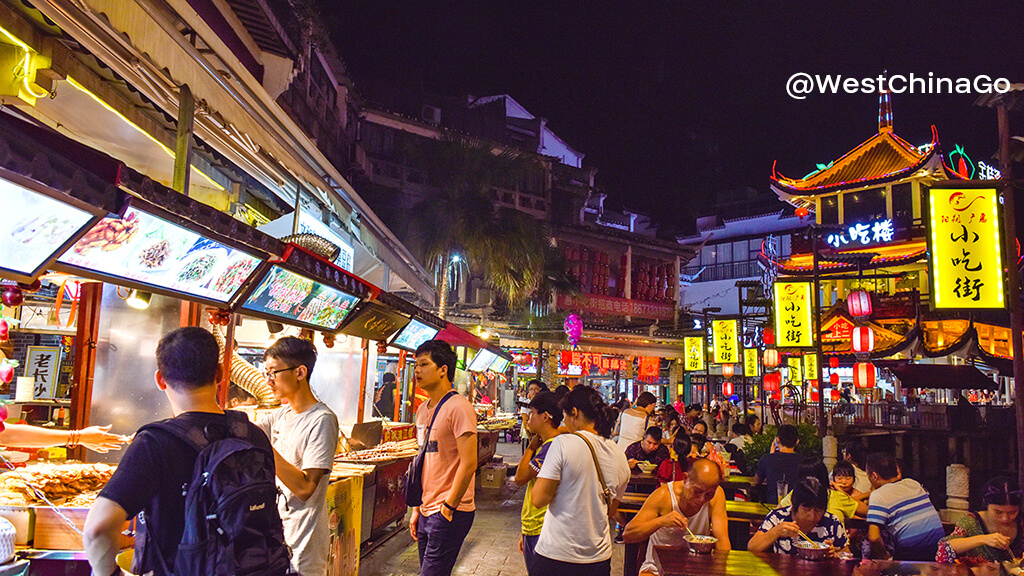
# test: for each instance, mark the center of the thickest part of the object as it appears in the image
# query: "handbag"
(414, 475)
(606, 495)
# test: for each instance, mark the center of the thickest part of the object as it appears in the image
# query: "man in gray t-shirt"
(304, 434)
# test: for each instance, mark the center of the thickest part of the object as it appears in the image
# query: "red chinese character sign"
(965, 249)
(650, 368)
(726, 346)
(793, 314)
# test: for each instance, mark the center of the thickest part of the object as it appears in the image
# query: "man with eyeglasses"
(304, 434)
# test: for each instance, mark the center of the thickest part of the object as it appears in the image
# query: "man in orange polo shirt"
(441, 523)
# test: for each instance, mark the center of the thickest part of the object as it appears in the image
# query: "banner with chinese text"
(794, 369)
(750, 362)
(586, 361)
(694, 353)
(793, 314)
(965, 248)
(811, 366)
(724, 337)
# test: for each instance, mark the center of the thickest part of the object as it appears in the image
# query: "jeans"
(544, 566)
(529, 544)
(440, 541)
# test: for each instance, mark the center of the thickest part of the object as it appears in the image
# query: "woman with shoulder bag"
(581, 482)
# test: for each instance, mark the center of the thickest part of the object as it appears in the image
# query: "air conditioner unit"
(431, 114)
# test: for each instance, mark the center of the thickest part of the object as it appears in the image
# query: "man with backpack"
(205, 476)
(304, 433)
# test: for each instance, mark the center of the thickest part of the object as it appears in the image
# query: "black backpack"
(232, 526)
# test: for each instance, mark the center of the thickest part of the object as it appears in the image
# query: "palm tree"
(462, 223)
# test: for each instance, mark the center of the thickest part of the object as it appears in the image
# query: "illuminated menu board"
(148, 250)
(499, 365)
(40, 227)
(294, 298)
(414, 334)
(482, 361)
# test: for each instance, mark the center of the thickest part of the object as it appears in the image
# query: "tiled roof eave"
(882, 179)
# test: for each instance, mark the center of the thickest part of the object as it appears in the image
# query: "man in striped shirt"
(901, 516)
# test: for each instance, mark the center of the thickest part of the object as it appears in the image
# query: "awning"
(943, 376)
(456, 336)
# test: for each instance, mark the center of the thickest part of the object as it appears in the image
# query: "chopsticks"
(804, 536)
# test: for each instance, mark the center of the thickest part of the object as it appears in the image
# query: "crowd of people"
(579, 457)
(580, 453)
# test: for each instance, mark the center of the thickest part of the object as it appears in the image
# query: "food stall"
(123, 260)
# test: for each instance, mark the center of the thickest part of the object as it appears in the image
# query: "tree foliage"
(509, 248)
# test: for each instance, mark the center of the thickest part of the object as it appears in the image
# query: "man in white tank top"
(695, 502)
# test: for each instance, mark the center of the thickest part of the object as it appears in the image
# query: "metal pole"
(183, 144)
(1013, 280)
(822, 425)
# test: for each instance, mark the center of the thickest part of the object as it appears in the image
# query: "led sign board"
(414, 334)
(41, 227)
(144, 249)
(964, 248)
(294, 298)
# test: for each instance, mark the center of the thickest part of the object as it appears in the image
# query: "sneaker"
(618, 538)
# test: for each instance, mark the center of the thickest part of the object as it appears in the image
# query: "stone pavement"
(492, 547)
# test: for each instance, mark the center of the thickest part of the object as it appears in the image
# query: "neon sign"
(986, 172)
(863, 234)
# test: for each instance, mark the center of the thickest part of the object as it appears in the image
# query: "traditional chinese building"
(870, 207)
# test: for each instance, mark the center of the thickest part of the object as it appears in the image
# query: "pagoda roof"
(884, 157)
(881, 257)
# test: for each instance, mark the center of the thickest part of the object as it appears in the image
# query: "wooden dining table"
(680, 562)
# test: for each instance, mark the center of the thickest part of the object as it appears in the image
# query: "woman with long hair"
(575, 538)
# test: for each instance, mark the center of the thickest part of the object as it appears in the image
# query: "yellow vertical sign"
(811, 366)
(750, 362)
(727, 350)
(793, 319)
(966, 262)
(794, 369)
(694, 353)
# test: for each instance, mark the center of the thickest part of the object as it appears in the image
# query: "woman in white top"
(695, 501)
(575, 538)
(634, 421)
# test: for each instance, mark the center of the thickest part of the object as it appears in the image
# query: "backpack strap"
(606, 494)
(426, 437)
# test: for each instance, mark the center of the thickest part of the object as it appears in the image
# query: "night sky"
(672, 101)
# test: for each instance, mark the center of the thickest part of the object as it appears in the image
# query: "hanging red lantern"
(802, 212)
(770, 358)
(772, 381)
(727, 388)
(859, 303)
(864, 375)
(863, 339)
(814, 396)
(836, 395)
(833, 362)
(728, 370)
(768, 336)
(833, 379)
(813, 383)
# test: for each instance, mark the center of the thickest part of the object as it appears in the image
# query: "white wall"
(717, 293)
